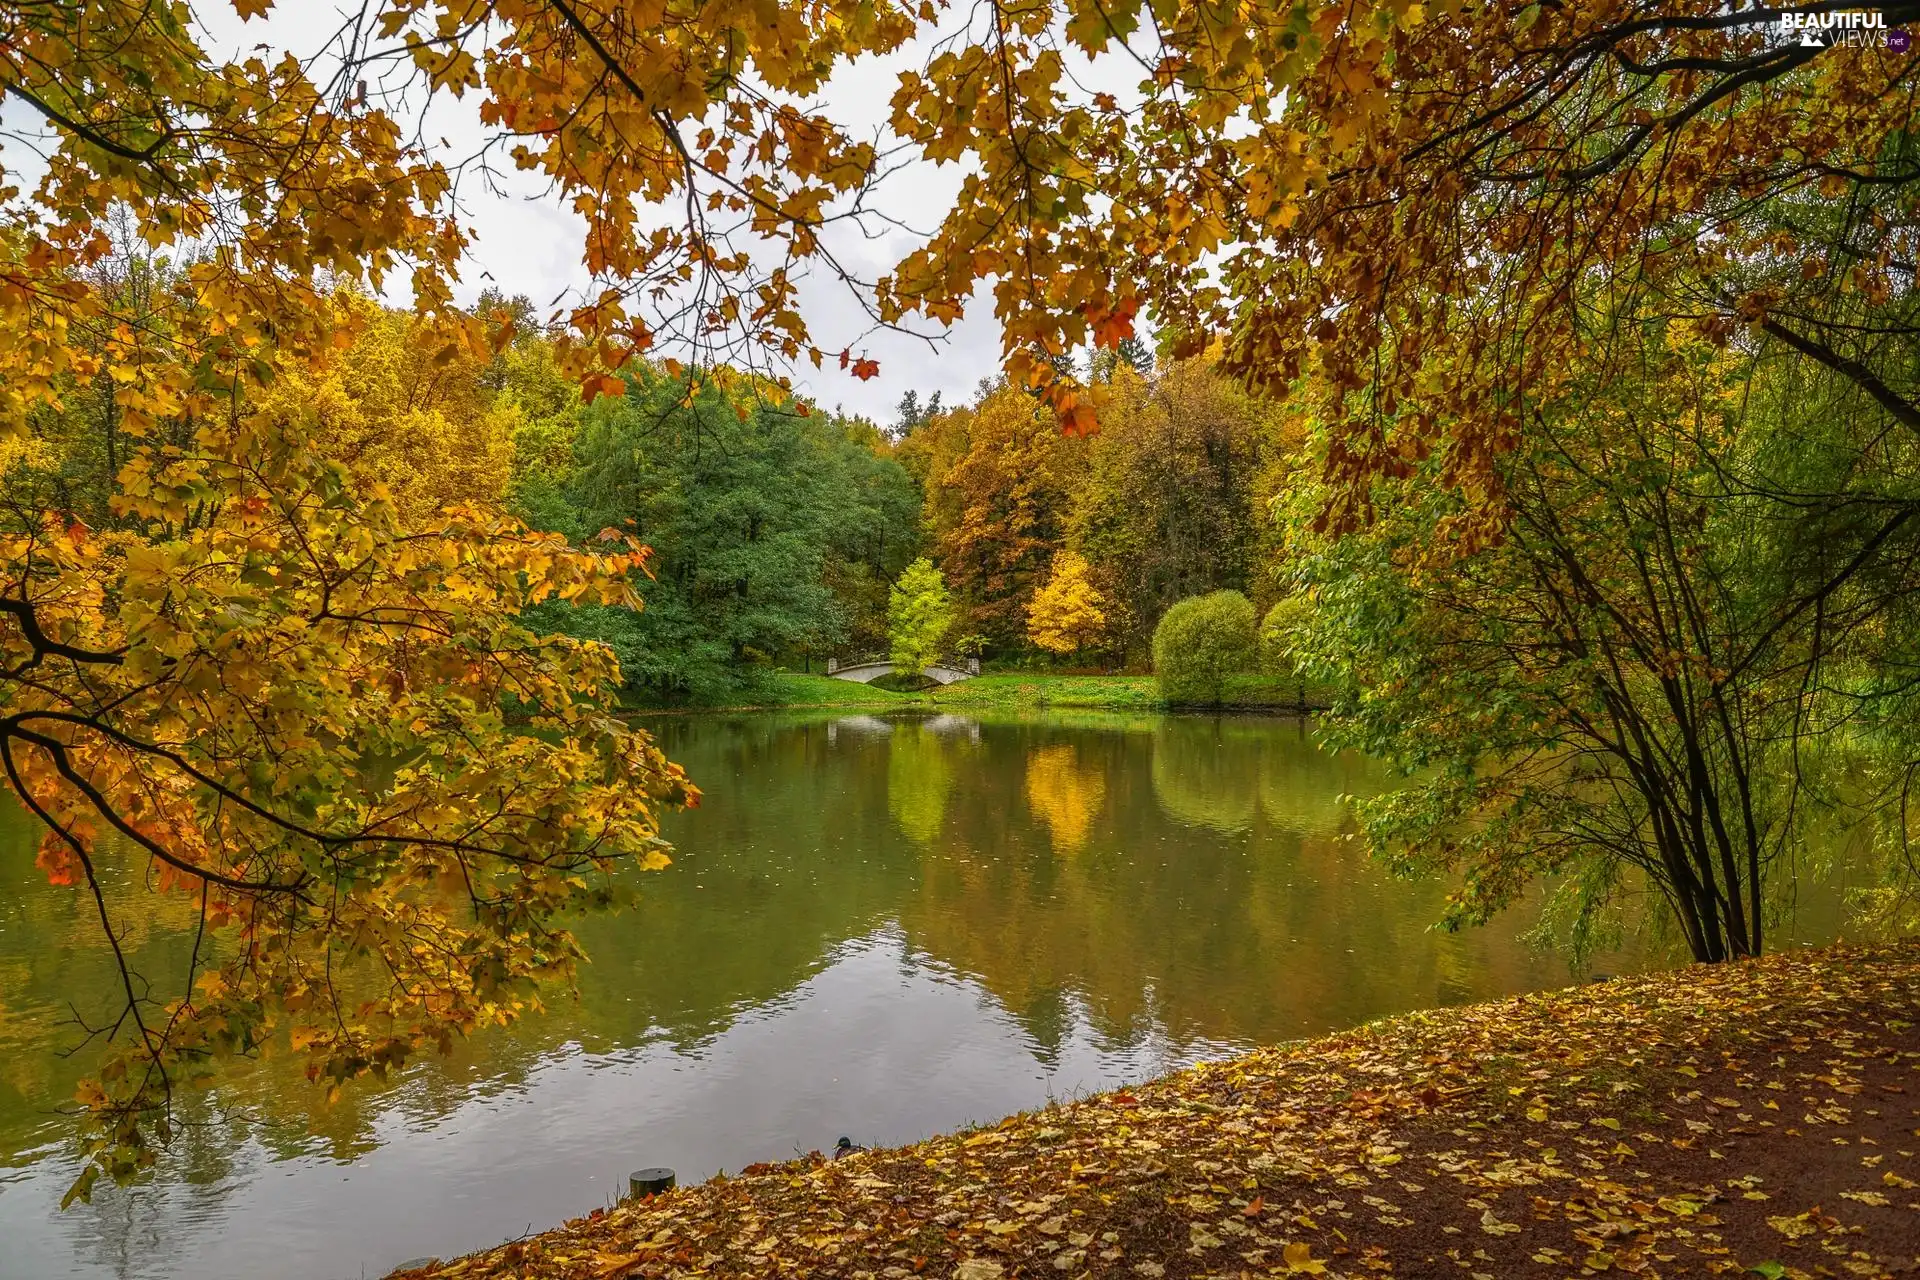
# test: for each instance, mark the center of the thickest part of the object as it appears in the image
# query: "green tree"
(1199, 643)
(774, 530)
(1694, 641)
(911, 413)
(919, 615)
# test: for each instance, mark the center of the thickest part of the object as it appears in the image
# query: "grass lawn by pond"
(1757, 1118)
(1011, 689)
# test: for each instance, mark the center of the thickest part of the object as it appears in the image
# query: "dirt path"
(1760, 1119)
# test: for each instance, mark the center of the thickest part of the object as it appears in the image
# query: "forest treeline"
(776, 530)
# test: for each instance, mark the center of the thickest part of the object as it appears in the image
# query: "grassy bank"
(1118, 693)
(787, 689)
(1738, 1119)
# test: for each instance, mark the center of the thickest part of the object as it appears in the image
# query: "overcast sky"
(527, 242)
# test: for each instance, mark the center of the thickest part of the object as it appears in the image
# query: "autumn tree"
(998, 509)
(1171, 501)
(1695, 628)
(1443, 229)
(1066, 615)
(315, 716)
(405, 408)
(919, 616)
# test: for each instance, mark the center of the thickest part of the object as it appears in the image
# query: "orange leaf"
(56, 860)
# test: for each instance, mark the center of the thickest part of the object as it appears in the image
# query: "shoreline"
(795, 691)
(1760, 1117)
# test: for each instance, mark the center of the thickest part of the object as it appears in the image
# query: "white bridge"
(869, 667)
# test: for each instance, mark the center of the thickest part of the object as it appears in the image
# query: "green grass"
(1027, 689)
(773, 689)
(1115, 693)
(1008, 691)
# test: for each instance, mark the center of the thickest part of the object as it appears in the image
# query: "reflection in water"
(1200, 773)
(878, 928)
(919, 779)
(1064, 795)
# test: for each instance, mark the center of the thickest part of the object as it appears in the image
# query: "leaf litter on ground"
(1757, 1118)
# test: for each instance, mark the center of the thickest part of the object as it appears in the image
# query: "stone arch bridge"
(868, 667)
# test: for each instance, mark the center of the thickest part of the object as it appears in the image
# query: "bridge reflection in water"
(870, 667)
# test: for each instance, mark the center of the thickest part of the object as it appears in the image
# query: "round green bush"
(1199, 643)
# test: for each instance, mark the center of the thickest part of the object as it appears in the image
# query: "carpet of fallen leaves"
(1736, 1119)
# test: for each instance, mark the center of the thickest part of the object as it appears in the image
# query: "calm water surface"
(882, 928)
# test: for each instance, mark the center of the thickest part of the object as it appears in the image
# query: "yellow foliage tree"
(998, 516)
(403, 406)
(319, 723)
(1067, 614)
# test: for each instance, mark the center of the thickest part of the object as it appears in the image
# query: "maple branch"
(12, 724)
(59, 751)
(87, 133)
(1761, 68)
(44, 646)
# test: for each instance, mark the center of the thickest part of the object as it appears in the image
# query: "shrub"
(1277, 629)
(1278, 635)
(1199, 643)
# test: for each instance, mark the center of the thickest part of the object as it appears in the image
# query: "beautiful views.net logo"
(1860, 28)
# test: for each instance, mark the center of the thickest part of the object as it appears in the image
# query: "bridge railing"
(836, 665)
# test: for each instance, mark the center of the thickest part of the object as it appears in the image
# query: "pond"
(884, 928)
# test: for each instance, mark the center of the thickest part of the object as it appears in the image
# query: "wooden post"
(650, 1182)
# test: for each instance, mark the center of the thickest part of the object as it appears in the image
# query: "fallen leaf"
(1299, 1258)
(1198, 1237)
(1494, 1226)
(1794, 1227)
